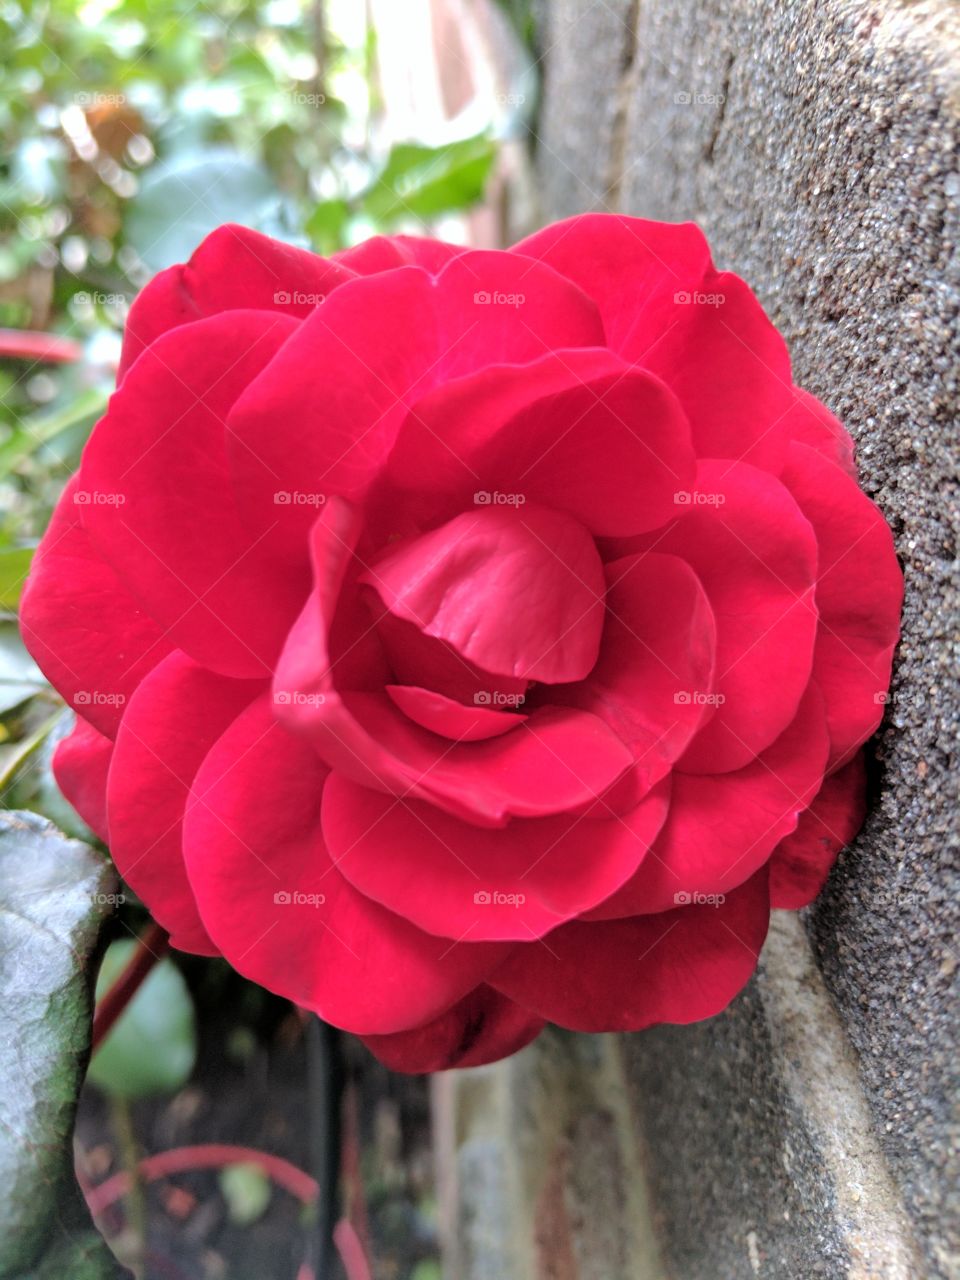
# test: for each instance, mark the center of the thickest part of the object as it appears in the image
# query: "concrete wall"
(813, 1129)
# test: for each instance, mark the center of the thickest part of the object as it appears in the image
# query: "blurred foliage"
(152, 1046)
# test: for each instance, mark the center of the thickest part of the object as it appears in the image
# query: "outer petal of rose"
(88, 634)
(174, 718)
(483, 1027)
(623, 975)
(279, 910)
(658, 647)
(449, 718)
(324, 416)
(722, 827)
(579, 430)
(161, 509)
(756, 556)
(517, 591)
(517, 882)
(384, 253)
(556, 760)
(661, 300)
(80, 765)
(859, 597)
(811, 423)
(801, 863)
(233, 269)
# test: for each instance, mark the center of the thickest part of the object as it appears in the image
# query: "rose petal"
(756, 555)
(658, 647)
(518, 592)
(88, 634)
(384, 253)
(174, 718)
(324, 415)
(661, 300)
(279, 910)
(622, 975)
(811, 423)
(234, 268)
(80, 765)
(859, 597)
(722, 828)
(802, 861)
(481, 1028)
(517, 882)
(160, 507)
(558, 759)
(579, 430)
(449, 718)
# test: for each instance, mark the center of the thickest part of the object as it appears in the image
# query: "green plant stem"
(135, 1200)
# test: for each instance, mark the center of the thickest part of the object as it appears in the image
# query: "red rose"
(463, 640)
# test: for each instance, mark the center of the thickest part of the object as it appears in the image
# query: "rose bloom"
(464, 640)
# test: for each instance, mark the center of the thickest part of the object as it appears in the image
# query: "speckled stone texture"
(811, 1130)
(816, 142)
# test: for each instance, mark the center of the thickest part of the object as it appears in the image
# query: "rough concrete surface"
(817, 145)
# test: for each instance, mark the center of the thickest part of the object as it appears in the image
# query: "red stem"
(151, 947)
(210, 1155)
(31, 344)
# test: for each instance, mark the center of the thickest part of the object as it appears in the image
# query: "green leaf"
(184, 199)
(20, 677)
(246, 1189)
(14, 567)
(327, 225)
(424, 182)
(53, 894)
(42, 429)
(152, 1046)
